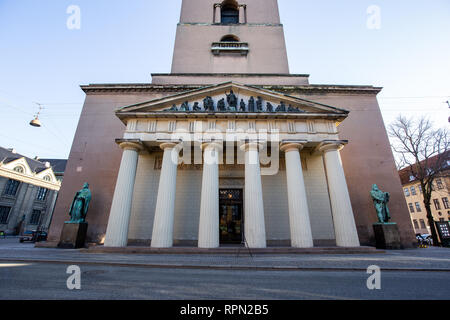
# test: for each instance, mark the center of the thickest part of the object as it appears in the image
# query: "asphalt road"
(48, 281)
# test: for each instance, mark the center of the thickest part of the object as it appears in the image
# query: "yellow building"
(440, 206)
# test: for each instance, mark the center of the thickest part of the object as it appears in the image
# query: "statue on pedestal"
(80, 205)
(269, 107)
(380, 200)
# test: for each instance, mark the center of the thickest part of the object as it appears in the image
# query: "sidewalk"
(429, 259)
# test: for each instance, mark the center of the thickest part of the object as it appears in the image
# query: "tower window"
(229, 12)
(230, 38)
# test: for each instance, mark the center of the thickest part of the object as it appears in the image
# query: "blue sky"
(42, 61)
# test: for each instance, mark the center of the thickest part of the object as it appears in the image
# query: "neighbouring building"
(28, 192)
(440, 206)
(265, 155)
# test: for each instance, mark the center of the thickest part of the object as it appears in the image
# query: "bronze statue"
(259, 104)
(208, 104)
(232, 101)
(196, 107)
(221, 105)
(269, 107)
(380, 200)
(185, 106)
(80, 205)
(281, 107)
(242, 109)
(174, 108)
(293, 109)
(251, 105)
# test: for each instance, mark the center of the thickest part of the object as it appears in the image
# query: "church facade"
(230, 147)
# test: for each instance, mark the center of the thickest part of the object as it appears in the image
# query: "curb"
(213, 267)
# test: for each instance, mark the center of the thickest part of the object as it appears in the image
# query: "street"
(30, 273)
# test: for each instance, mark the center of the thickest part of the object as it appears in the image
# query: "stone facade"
(140, 114)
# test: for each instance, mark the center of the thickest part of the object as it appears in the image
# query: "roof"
(58, 165)
(405, 173)
(7, 155)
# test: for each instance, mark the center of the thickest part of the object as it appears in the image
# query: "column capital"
(326, 146)
(168, 145)
(251, 145)
(135, 145)
(212, 144)
(288, 146)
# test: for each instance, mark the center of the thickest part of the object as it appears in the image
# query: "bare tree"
(424, 150)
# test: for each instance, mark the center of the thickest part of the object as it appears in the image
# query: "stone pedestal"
(387, 236)
(73, 236)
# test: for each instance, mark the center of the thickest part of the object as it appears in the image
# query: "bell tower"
(230, 36)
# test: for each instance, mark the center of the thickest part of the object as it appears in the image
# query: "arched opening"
(230, 38)
(229, 12)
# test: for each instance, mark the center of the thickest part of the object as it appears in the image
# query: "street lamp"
(36, 122)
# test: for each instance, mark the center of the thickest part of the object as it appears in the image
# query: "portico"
(261, 150)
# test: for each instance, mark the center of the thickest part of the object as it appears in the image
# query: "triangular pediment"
(231, 97)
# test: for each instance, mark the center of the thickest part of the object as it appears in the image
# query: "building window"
(47, 178)
(411, 207)
(411, 178)
(420, 188)
(416, 224)
(407, 192)
(422, 224)
(445, 202)
(229, 12)
(11, 187)
(437, 204)
(418, 209)
(413, 191)
(35, 217)
(439, 183)
(19, 169)
(42, 194)
(4, 213)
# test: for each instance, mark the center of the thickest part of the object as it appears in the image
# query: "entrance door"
(230, 216)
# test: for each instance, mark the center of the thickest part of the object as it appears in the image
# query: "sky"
(400, 45)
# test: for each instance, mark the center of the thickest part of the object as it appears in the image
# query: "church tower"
(230, 36)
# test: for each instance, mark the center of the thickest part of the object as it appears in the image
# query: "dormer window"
(229, 13)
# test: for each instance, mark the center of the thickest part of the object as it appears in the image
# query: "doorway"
(231, 223)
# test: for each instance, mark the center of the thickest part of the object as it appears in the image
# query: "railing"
(230, 47)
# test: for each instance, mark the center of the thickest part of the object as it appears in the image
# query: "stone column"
(344, 221)
(208, 232)
(254, 225)
(300, 225)
(162, 235)
(119, 216)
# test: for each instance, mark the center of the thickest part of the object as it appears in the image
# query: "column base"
(73, 236)
(387, 236)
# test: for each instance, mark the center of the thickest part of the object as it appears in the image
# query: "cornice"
(306, 89)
